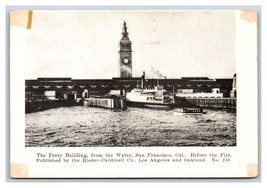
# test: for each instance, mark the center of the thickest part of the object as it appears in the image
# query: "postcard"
(133, 94)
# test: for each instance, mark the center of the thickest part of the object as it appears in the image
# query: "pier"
(46, 104)
(110, 103)
(221, 103)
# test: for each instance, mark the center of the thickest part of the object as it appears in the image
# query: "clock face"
(126, 60)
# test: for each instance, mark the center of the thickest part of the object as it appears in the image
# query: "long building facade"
(69, 89)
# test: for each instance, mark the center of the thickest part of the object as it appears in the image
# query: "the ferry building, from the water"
(72, 89)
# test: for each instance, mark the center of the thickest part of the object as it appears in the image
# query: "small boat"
(189, 111)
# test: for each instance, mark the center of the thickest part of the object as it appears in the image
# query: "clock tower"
(125, 54)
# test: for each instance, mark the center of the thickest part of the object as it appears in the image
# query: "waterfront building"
(75, 89)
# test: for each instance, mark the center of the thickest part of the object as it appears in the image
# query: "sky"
(85, 44)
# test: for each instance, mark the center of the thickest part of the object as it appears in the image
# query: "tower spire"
(124, 31)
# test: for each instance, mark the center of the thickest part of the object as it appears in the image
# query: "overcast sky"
(84, 44)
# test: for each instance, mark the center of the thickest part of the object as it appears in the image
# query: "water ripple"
(92, 127)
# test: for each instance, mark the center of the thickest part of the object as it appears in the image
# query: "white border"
(3, 181)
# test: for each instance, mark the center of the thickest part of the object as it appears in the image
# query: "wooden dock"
(45, 104)
(223, 103)
(111, 103)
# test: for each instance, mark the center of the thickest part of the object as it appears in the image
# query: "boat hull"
(150, 105)
(189, 111)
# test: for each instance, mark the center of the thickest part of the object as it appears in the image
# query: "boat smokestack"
(143, 80)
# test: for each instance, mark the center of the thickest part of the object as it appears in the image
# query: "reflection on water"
(87, 126)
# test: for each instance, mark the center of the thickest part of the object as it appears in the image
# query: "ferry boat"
(150, 98)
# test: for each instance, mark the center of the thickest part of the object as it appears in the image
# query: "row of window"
(203, 97)
(126, 47)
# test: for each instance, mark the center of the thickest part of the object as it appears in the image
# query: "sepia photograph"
(130, 78)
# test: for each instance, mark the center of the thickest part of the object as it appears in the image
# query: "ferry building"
(74, 89)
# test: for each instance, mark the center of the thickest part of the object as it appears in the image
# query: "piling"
(123, 103)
